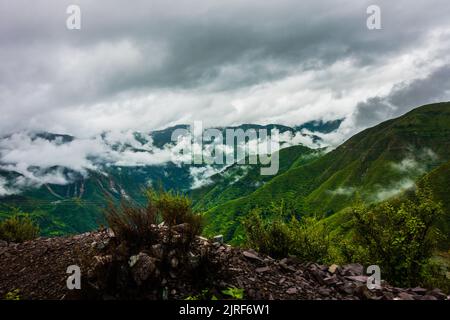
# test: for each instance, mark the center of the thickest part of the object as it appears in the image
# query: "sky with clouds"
(146, 64)
(143, 65)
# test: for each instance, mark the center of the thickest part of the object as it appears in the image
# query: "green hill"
(240, 180)
(377, 163)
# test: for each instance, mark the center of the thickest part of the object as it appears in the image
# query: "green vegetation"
(13, 295)
(439, 182)
(204, 295)
(241, 180)
(436, 273)
(398, 235)
(175, 209)
(280, 236)
(18, 228)
(234, 293)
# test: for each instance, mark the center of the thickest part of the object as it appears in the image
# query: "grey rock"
(262, 269)
(438, 294)
(174, 262)
(181, 227)
(358, 278)
(324, 291)
(364, 293)
(157, 251)
(218, 238)
(405, 296)
(292, 290)
(251, 255)
(132, 261)
(353, 269)
(100, 245)
(284, 265)
(102, 260)
(143, 268)
(111, 233)
(419, 290)
(428, 297)
(331, 280)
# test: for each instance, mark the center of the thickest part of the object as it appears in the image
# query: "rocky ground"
(38, 270)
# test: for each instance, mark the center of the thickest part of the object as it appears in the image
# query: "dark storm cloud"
(404, 97)
(210, 51)
(201, 37)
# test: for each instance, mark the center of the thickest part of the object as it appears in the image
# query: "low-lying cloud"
(39, 159)
(395, 189)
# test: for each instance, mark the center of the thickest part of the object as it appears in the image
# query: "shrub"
(18, 228)
(399, 236)
(306, 238)
(435, 274)
(136, 224)
(131, 223)
(311, 239)
(175, 209)
(272, 238)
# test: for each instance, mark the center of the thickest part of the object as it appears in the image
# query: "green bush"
(13, 295)
(278, 237)
(269, 237)
(175, 209)
(436, 274)
(234, 293)
(18, 228)
(311, 239)
(398, 235)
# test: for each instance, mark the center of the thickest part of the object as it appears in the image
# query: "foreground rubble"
(38, 270)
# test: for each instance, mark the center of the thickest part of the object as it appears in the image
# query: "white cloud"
(407, 165)
(201, 176)
(395, 189)
(343, 191)
(41, 161)
(4, 188)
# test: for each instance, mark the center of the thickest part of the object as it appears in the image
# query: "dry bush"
(145, 253)
(136, 224)
(131, 222)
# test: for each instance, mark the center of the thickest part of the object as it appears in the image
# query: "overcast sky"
(147, 64)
